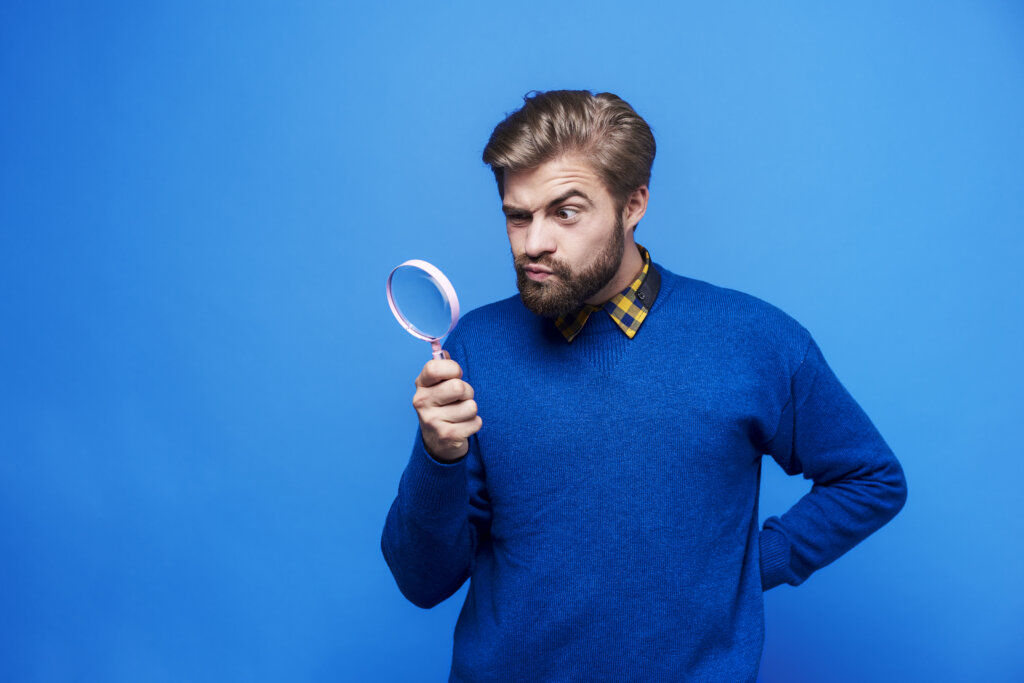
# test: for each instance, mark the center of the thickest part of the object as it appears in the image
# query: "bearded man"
(590, 454)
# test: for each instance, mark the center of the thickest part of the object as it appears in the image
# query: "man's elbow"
(422, 594)
(894, 480)
(422, 600)
(417, 589)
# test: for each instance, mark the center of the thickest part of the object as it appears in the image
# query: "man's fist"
(447, 411)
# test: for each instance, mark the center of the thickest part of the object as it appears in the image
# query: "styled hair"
(603, 128)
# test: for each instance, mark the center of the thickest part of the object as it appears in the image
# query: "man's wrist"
(442, 461)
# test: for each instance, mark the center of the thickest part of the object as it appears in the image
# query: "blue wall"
(204, 400)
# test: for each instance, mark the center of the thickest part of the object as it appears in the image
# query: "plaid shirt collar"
(628, 308)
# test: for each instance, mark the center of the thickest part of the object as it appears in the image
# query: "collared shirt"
(628, 308)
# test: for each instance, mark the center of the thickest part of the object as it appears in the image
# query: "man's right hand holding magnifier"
(446, 410)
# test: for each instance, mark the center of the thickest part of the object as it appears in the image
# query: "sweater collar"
(628, 308)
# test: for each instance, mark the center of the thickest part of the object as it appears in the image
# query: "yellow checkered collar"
(628, 308)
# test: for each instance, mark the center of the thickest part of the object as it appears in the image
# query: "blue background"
(204, 400)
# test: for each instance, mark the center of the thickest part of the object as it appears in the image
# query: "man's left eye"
(567, 214)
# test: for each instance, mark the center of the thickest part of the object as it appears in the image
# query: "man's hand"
(447, 411)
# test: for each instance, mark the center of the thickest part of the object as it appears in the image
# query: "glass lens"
(421, 302)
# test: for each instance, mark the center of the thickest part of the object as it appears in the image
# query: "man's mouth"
(537, 273)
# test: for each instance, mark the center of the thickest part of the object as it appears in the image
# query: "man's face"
(566, 235)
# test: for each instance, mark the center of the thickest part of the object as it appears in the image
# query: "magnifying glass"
(423, 301)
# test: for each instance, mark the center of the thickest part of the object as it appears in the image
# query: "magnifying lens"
(423, 301)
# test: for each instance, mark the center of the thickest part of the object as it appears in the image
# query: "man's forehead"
(551, 179)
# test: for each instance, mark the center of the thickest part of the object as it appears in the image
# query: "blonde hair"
(603, 128)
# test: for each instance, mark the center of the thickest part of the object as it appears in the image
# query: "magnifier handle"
(439, 353)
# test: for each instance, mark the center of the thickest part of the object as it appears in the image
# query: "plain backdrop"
(205, 402)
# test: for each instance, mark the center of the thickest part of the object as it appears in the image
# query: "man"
(590, 454)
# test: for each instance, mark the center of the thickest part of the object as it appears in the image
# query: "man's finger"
(450, 391)
(452, 432)
(441, 395)
(436, 371)
(462, 411)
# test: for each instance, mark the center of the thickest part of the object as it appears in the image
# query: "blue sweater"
(607, 511)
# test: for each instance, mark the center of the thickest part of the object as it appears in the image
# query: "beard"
(568, 290)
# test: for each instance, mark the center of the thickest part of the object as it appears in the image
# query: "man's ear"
(635, 207)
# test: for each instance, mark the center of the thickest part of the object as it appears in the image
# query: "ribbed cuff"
(774, 557)
(431, 485)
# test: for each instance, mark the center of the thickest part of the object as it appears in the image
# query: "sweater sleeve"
(858, 483)
(436, 522)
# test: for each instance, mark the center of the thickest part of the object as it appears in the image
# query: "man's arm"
(437, 520)
(858, 483)
(441, 512)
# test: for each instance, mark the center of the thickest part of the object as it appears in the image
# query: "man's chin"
(539, 300)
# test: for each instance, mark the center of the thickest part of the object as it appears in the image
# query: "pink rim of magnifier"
(446, 289)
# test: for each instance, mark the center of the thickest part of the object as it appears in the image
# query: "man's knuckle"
(445, 388)
(421, 399)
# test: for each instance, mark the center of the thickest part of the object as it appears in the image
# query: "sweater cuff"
(774, 558)
(434, 486)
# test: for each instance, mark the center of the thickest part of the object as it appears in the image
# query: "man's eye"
(567, 214)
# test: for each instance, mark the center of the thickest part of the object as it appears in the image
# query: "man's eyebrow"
(509, 209)
(568, 195)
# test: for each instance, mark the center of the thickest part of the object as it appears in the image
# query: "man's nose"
(540, 239)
